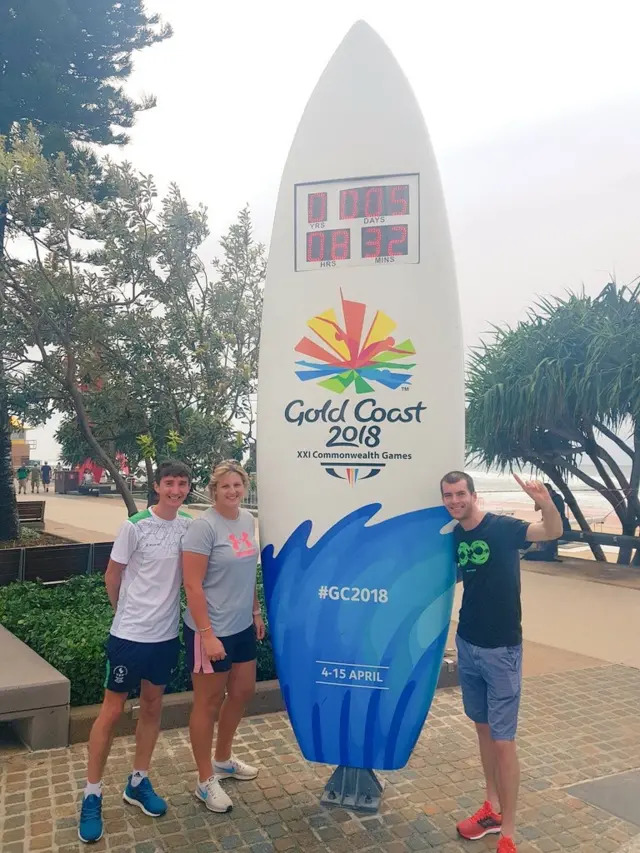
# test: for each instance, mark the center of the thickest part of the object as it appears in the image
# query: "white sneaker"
(213, 796)
(238, 770)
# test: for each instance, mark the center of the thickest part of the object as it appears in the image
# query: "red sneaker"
(483, 822)
(506, 845)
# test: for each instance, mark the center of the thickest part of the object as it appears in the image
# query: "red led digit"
(315, 246)
(317, 207)
(348, 204)
(340, 244)
(399, 200)
(372, 247)
(373, 201)
(401, 232)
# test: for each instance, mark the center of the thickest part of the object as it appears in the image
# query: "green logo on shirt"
(477, 553)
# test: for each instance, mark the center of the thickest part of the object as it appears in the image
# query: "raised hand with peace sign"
(551, 525)
(536, 490)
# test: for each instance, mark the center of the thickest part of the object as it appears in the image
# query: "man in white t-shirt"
(143, 581)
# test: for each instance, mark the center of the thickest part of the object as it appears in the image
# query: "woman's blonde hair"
(229, 466)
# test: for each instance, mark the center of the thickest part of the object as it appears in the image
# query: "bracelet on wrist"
(204, 630)
(257, 613)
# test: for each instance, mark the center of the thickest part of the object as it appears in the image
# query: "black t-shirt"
(489, 564)
(46, 472)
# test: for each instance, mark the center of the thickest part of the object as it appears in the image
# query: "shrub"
(68, 625)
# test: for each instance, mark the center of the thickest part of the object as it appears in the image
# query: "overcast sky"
(533, 109)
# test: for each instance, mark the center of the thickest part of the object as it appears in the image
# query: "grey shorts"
(491, 682)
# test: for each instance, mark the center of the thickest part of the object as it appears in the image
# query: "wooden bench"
(32, 513)
(34, 697)
(95, 489)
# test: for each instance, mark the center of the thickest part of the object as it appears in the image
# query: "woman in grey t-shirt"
(221, 625)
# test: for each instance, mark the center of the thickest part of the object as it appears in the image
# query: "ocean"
(498, 489)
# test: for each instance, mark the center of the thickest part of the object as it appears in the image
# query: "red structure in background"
(97, 470)
(90, 465)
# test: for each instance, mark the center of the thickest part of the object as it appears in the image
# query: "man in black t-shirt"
(489, 639)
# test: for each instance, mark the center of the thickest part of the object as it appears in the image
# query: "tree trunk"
(152, 496)
(623, 510)
(556, 478)
(100, 455)
(615, 496)
(634, 488)
(9, 525)
(626, 551)
(633, 508)
(602, 490)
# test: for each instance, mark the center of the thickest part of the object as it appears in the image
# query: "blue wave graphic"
(387, 377)
(384, 375)
(377, 662)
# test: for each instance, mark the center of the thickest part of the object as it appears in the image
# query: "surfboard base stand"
(353, 788)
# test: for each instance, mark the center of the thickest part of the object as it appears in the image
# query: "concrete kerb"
(176, 707)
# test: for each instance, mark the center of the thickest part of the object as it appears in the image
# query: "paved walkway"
(86, 519)
(587, 570)
(580, 721)
(575, 726)
(577, 615)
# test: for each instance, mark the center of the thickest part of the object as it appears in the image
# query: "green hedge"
(68, 625)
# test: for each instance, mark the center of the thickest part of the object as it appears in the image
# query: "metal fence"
(251, 498)
(53, 563)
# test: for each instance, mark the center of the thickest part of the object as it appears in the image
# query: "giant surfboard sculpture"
(360, 412)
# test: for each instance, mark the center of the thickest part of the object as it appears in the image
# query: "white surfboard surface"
(360, 409)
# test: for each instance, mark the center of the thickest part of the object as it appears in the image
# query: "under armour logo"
(242, 547)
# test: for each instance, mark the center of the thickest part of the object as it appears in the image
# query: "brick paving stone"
(280, 811)
(547, 845)
(10, 835)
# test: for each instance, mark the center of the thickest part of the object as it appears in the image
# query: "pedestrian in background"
(23, 475)
(46, 475)
(35, 479)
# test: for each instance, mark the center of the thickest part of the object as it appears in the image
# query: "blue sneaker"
(90, 826)
(145, 798)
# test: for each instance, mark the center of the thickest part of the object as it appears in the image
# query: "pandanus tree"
(562, 389)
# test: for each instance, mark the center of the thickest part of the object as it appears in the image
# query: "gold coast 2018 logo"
(355, 356)
(346, 359)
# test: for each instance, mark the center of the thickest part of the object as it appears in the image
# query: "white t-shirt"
(149, 601)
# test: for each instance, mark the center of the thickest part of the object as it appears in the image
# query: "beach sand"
(596, 509)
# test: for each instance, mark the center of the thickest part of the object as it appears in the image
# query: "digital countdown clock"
(357, 222)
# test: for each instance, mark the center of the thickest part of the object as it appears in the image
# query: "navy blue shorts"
(240, 648)
(128, 663)
(491, 683)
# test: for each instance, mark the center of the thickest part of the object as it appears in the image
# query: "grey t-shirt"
(230, 580)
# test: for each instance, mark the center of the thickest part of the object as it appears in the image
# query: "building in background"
(20, 446)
